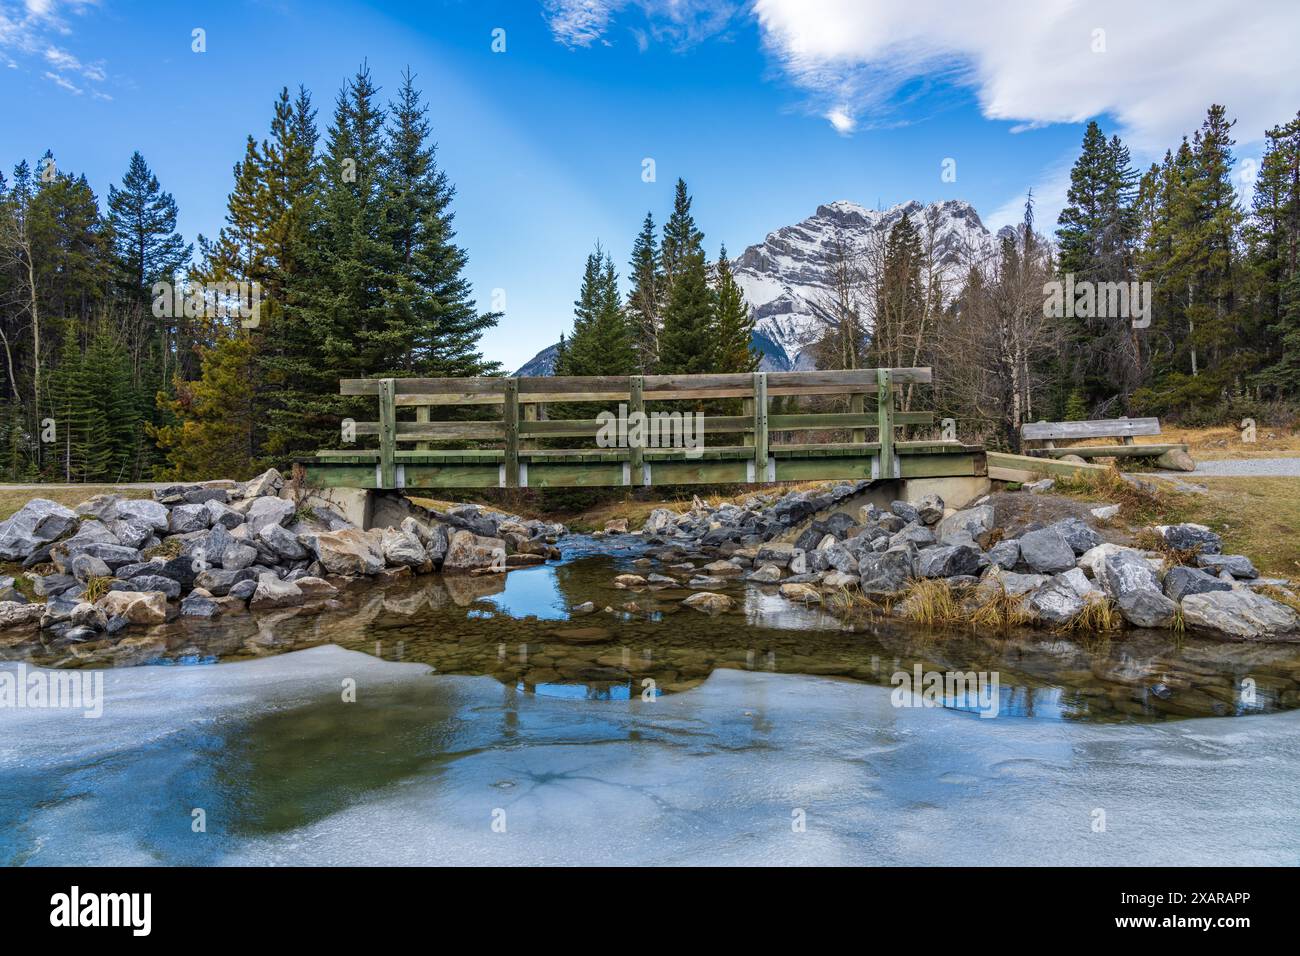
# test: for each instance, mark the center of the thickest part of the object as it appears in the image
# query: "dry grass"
(1257, 517)
(11, 499)
(1282, 597)
(998, 611)
(1208, 444)
(96, 588)
(1098, 616)
(931, 602)
(1136, 502)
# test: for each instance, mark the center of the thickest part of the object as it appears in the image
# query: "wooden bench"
(1049, 433)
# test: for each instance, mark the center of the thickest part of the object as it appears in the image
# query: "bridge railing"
(407, 409)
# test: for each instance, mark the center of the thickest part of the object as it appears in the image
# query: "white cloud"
(580, 23)
(843, 121)
(25, 29)
(61, 81)
(1155, 66)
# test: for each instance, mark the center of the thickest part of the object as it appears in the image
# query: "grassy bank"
(11, 499)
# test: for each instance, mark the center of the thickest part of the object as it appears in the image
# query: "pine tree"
(682, 243)
(689, 338)
(643, 301)
(143, 217)
(735, 323)
(601, 341)
(1275, 240)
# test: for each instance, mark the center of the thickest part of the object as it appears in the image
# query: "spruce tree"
(735, 323)
(644, 300)
(681, 244)
(687, 344)
(143, 217)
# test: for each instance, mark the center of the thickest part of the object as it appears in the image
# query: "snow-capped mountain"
(786, 277)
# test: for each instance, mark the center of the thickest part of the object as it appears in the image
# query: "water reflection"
(523, 630)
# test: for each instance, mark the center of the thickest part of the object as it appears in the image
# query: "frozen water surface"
(421, 767)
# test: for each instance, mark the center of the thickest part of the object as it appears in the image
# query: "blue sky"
(767, 109)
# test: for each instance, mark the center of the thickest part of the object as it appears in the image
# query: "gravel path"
(1244, 467)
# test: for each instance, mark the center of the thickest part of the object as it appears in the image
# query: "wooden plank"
(885, 419)
(590, 427)
(510, 422)
(858, 406)
(760, 426)
(420, 386)
(1078, 431)
(452, 475)
(438, 431)
(422, 417)
(703, 472)
(547, 474)
(387, 434)
(1108, 451)
(1002, 462)
(530, 415)
(636, 404)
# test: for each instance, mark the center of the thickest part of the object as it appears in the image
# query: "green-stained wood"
(703, 472)
(760, 426)
(451, 476)
(545, 474)
(823, 469)
(342, 476)
(636, 405)
(510, 421)
(885, 422)
(858, 406)
(387, 434)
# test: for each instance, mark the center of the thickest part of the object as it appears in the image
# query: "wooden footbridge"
(505, 450)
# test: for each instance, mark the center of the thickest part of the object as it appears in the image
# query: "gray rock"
(197, 606)
(1145, 607)
(238, 556)
(1014, 584)
(915, 533)
(271, 592)
(930, 508)
(284, 545)
(268, 482)
(219, 513)
(968, 527)
(1125, 571)
(145, 511)
(149, 582)
(113, 555)
(1243, 614)
(1046, 551)
(102, 507)
(1237, 565)
(86, 566)
(116, 622)
(243, 589)
(886, 572)
(131, 532)
(1181, 581)
(1005, 554)
(179, 569)
(1191, 537)
(907, 512)
(767, 574)
(87, 615)
(38, 522)
(266, 511)
(402, 549)
(185, 519)
(1078, 535)
(948, 561)
(14, 614)
(1056, 602)
(52, 585)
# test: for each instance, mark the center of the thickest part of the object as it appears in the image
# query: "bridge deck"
(516, 462)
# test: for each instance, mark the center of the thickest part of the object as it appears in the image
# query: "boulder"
(930, 509)
(315, 589)
(1105, 512)
(350, 552)
(1125, 571)
(271, 592)
(238, 556)
(1182, 581)
(195, 605)
(1239, 566)
(101, 507)
(1191, 537)
(143, 510)
(84, 566)
(243, 590)
(659, 521)
(266, 511)
(1046, 551)
(801, 593)
(1243, 614)
(219, 581)
(38, 522)
(1005, 554)
(617, 526)
(180, 569)
(1056, 602)
(149, 582)
(402, 549)
(767, 574)
(14, 614)
(1176, 460)
(630, 581)
(467, 551)
(702, 582)
(915, 533)
(131, 532)
(885, 572)
(277, 539)
(709, 602)
(1144, 607)
(187, 518)
(906, 511)
(137, 607)
(1077, 534)
(1094, 559)
(968, 527)
(113, 555)
(1012, 583)
(267, 483)
(221, 514)
(947, 561)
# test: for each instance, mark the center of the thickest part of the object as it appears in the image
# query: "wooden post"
(885, 422)
(858, 405)
(387, 434)
(510, 417)
(635, 404)
(422, 415)
(530, 415)
(760, 426)
(747, 410)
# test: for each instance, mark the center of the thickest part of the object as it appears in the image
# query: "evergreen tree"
(1275, 254)
(601, 341)
(644, 300)
(682, 243)
(143, 217)
(735, 323)
(687, 344)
